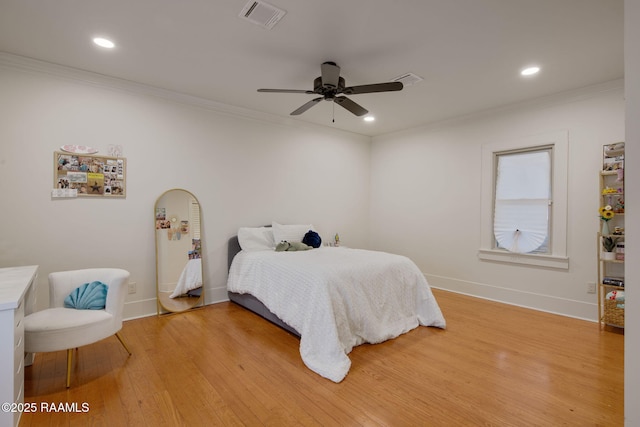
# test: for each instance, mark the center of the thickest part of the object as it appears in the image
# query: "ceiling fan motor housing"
(321, 89)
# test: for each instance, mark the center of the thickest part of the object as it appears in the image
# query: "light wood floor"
(494, 365)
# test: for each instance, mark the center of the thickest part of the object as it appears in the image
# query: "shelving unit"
(611, 303)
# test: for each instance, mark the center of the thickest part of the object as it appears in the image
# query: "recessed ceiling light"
(369, 118)
(530, 71)
(102, 42)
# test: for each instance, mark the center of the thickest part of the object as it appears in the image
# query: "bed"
(190, 281)
(333, 298)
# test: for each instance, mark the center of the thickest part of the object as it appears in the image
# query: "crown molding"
(559, 98)
(36, 66)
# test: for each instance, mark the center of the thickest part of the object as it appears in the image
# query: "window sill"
(548, 261)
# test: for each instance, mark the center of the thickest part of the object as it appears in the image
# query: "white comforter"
(337, 298)
(190, 278)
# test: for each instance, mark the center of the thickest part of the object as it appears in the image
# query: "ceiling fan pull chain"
(333, 112)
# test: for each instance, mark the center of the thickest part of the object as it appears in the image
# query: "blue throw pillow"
(311, 238)
(90, 296)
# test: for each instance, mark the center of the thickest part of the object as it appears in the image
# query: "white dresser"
(17, 299)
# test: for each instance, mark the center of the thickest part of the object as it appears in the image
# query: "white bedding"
(337, 298)
(190, 278)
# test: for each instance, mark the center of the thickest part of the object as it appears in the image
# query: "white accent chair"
(58, 328)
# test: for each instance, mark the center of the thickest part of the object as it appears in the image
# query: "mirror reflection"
(178, 251)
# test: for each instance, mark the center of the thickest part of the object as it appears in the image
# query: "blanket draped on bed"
(190, 278)
(337, 298)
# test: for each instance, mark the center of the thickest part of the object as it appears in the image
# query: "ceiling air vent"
(261, 13)
(408, 79)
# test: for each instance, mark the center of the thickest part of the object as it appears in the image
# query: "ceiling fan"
(329, 85)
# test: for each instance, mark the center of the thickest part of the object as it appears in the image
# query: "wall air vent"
(408, 79)
(261, 13)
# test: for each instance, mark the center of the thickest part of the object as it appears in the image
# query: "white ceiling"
(469, 52)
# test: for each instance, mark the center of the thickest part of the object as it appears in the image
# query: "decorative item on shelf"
(613, 157)
(618, 206)
(613, 281)
(606, 214)
(620, 251)
(615, 198)
(618, 231)
(609, 244)
(609, 190)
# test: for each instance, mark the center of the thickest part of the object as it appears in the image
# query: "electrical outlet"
(591, 288)
(132, 287)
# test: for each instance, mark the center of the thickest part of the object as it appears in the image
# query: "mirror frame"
(165, 305)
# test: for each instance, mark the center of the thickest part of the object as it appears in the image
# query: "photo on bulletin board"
(90, 175)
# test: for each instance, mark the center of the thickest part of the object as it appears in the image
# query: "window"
(524, 201)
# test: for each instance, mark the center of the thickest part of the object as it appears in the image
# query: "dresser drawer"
(19, 399)
(18, 326)
(18, 313)
(18, 351)
(20, 280)
(18, 380)
(18, 334)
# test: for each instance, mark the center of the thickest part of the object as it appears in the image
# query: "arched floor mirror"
(179, 264)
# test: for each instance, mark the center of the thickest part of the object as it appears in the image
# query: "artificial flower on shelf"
(609, 190)
(606, 213)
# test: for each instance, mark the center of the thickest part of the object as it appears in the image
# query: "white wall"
(425, 198)
(245, 171)
(632, 209)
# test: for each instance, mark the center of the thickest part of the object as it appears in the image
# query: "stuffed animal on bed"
(312, 239)
(292, 246)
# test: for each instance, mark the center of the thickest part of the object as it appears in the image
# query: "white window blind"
(522, 201)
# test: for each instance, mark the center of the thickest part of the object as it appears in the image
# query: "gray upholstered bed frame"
(248, 301)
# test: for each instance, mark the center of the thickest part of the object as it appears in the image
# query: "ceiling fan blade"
(330, 74)
(306, 106)
(308, 92)
(377, 87)
(348, 104)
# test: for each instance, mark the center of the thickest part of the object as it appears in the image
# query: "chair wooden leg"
(123, 343)
(69, 359)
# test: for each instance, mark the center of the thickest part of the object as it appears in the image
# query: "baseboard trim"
(149, 307)
(550, 304)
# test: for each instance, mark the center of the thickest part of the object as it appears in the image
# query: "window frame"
(557, 257)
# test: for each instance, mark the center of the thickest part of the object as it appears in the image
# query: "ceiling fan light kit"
(330, 85)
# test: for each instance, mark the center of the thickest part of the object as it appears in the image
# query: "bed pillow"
(256, 238)
(290, 233)
(90, 296)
